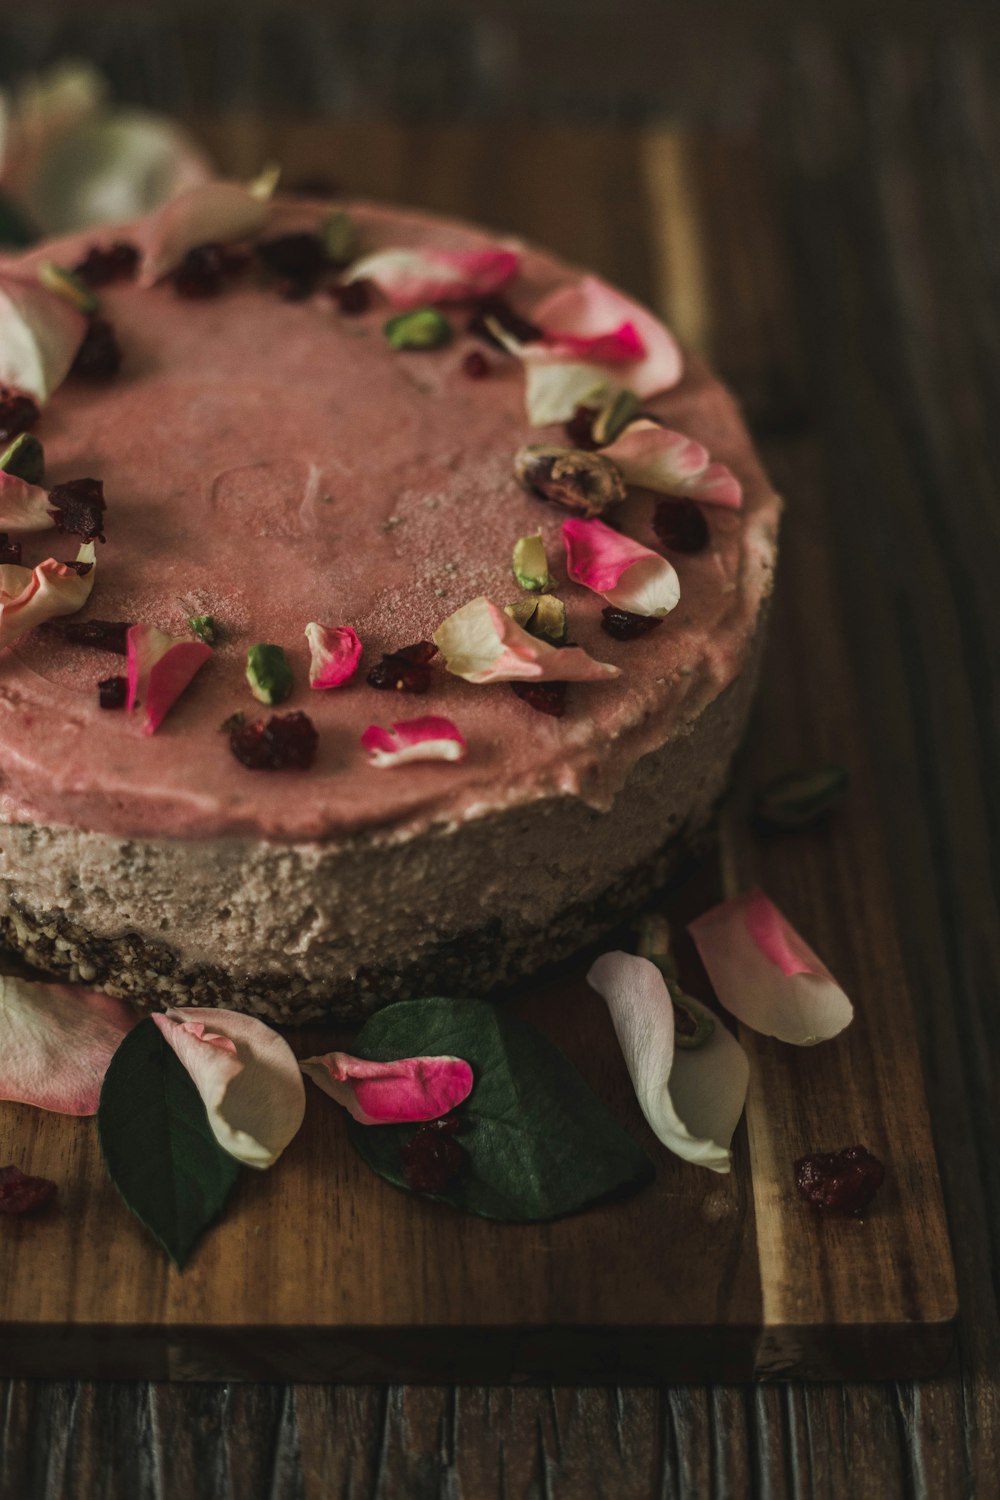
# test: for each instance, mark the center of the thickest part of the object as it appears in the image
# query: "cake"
(270, 460)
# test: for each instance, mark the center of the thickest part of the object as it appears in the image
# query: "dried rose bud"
(580, 481)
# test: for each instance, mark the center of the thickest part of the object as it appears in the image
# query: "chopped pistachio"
(68, 285)
(580, 481)
(655, 943)
(421, 328)
(530, 565)
(205, 628)
(340, 237)
(799, 799)
(24, 458)
(693, 1024)
(544, 617)
(235, 721)
(269, 674)
(614, 416)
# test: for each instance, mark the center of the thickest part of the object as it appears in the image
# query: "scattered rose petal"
(590, 308)
(411, 277)
(483, 644)
(39, 336)
(629, 576)
(765, 974)
(621, 346)
(57, 1042)
(692, 1099)
(160, 666)
(30, 596)
(212, 213)
(335, 652)
(429, 738)
(655, 458)
(23, 507)
(247, 1077)
(554, 389)
(392, 1093)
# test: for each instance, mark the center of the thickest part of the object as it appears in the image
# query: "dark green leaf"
(157, 1144)
(799, 799)
(540, 1144)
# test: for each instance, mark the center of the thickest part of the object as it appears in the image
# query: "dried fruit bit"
(681, 526)
(624, 625)
(406, 670)
(432, 1158)
(839, 1182)
(205, 628)
(68, 284)
(340, 238)
(10, 552)
(614, 416)
(17, 414)
(287, 742)
(544, 617)
(799, 799)
(269, 674)
(112, 692)
(20, 1194)
(99, 357)
(299, 259)
(475, 365)
(544, 697)
(423, 328)
(105, 635)
(352, 297)
(580, 481)
(25, 459)
(497, 310)
(201, 272)
(580, 427)
(113, 262)
(529, 563)
(79, 506)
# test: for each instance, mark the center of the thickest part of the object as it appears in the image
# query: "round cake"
(271, 457)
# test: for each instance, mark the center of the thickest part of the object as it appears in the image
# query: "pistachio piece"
(421, 328)
(69, 286)
(655, 943)
(340, 237)
(235, 721)
(268, 673)
(205, 628)
(24, 458)
(580, 481)
(529, 563)
(693, 1024)
(614, 416)
(544, 617)
(799, 799)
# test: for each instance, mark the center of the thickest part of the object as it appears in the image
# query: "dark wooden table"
(853, 255)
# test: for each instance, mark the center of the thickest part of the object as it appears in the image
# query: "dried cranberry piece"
(475, 365)
(500, 310)
(79, 505)
(406, 670)
(105, 635)
(432, 1158)
(546, 697)
(17, 413)
(21, 1194)
(287, 742)
(299, 259)
(108, 263)
(626, 626)
(352, 297)
(10, 552)
(99, 357)
(580, 427)
(202, 271)
(112, 692)
(681, 525)
(840, 1182)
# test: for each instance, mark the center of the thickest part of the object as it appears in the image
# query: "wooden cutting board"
(321, 1271)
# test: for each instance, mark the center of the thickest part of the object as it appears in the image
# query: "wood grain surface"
(861, 329)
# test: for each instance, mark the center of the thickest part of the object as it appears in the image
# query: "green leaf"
(157, 1145)
(540, 1144)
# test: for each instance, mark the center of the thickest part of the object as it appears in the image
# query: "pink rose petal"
(210, 213)
(159, 668)
(655, 458)
(628, 575)
(590, 310)
(392, 1093)
(766, 975)
(411, 277)
(57, 1042)
(483, 644)
(23, 506)
(429, 738)
(692, 1098)
(622, 346)
(335, 652)
(247, 1077)
(30, 596)
(40, 333)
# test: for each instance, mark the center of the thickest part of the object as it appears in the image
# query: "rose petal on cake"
(655, 458)
(58, 1040)
(627, 574)
(766, 975)
(159, 668)
(392, 1093)
(23, 506)
(210, 213)
(591, 310)
(554, 390)
(427, 738)
(30, 596)
(40, 333)
(410, 278)
(621, 346)
(483, 644)
(692, 1099)
(247, 1076)
(334, 653)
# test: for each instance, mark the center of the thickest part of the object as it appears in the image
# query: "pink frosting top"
(272, 462)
